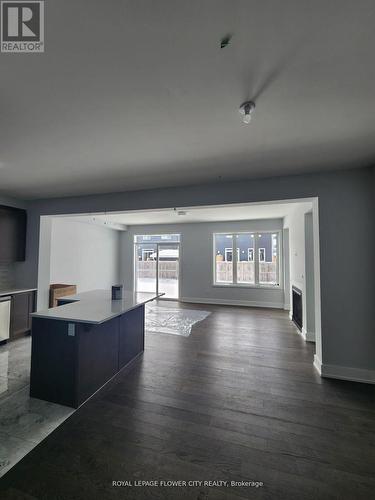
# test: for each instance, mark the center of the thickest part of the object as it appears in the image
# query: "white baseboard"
(344, 372)
(318, 364)
(308, 336)
(229, 302)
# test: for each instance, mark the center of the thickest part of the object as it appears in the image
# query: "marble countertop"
(13, 291)
(96, 306)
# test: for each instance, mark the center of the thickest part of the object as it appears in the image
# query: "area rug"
(172, 321)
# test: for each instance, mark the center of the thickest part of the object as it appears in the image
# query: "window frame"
(148, 238)
(234, 283)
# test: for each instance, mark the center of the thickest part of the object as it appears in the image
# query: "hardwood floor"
(238, 400)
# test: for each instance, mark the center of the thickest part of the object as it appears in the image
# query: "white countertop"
(13, 291)
(96, 306)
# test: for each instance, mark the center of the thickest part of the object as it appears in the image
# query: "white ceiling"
(235, 212)
(132, 94)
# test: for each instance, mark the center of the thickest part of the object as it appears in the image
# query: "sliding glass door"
(145, 267)
(168, 270)
(157, 264)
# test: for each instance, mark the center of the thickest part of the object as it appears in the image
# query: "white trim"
(290, 314)
(229, 302)
(318, 319)
(308, 336)
(344, 372)
(318, 364)
(287, 307)
(300, 333)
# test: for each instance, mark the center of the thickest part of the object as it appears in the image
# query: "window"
(256, 260)
(223, 258)
(269, 266)
(245, 265)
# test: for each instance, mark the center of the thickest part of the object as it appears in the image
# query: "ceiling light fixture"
(246, 109)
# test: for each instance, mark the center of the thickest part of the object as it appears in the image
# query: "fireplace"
(297, 306)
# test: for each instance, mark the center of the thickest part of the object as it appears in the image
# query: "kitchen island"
(80, 345)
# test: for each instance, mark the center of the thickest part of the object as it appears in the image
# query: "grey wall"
(197, 261)
(346, 202)
(7, 275)
(12, 202)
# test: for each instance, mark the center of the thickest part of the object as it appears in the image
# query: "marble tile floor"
(24, 421)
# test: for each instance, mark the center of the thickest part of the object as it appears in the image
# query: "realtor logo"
(22, 26)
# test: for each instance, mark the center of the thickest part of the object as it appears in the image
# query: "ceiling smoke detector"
(246, 109)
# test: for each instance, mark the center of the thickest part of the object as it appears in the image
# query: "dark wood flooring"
(238, 400)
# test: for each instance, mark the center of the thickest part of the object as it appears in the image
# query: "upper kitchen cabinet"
(12, 234)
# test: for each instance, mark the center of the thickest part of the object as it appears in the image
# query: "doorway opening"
(148, 250)
(157, 264)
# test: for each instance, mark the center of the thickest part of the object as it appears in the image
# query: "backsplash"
(7, 276)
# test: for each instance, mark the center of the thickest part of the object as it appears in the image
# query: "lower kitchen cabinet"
(22, 305)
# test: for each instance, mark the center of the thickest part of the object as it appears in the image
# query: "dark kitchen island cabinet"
(79, 346)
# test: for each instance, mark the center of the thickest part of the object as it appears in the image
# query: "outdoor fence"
(168, 269)
(246, 272)
(267, 272)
